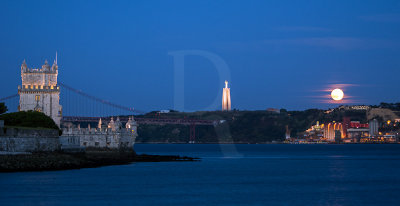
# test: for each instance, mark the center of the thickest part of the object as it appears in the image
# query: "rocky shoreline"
(89, 159)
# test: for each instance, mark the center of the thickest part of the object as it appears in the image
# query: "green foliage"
(3, 108)
(239, 127)
(392, 106)
(28, 119)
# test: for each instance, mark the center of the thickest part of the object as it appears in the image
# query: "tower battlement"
(46, 76)
(45, 68)
(37, 88)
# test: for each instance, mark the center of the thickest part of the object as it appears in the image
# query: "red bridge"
(79, 106)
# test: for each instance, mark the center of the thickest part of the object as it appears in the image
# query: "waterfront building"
(357, 130)
(356, 133)
(346, 123)
(338, 136)
(111, 136)
(226, 98)
(330, 131)
(373, 128)
(315, 133)
(39, 90)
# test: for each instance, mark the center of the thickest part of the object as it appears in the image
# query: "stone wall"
(29, 140)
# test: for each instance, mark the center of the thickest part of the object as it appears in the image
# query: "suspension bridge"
(79, 106)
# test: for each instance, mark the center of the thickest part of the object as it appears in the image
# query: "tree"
(3, 108)
(28, 119)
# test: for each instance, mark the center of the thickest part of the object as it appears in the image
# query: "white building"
(111, 136)
(39, 90)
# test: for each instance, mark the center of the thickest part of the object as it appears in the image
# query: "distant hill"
(382, 113)
(242, 126)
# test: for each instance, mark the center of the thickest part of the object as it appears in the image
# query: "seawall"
(14, 139)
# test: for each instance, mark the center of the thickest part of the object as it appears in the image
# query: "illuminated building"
(330, 129)
(315, 133)
(39, 90)
(357, 130)
(346, 125)
(226, 98)
(354, 129)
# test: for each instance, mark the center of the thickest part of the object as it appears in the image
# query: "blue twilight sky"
(279, 54)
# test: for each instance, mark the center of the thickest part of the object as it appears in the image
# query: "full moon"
(337, 94)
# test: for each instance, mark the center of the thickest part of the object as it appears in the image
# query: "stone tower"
(226, 98)
(39, 90)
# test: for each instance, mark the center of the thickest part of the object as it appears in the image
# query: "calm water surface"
(227, 175)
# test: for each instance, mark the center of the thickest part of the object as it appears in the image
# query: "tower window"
(37, 97)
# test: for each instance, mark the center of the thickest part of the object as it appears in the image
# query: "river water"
(273, 174)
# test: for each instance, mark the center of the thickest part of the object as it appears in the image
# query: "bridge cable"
(100, 100)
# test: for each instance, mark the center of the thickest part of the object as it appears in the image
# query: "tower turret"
(100, 124)
(24, 67)
(118, 124)
(131, 125)
(54, 67)
(46, 66)
(111, 125)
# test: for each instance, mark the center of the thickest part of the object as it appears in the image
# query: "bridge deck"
(158, 121)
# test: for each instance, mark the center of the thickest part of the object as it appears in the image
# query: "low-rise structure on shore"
(110, 136)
